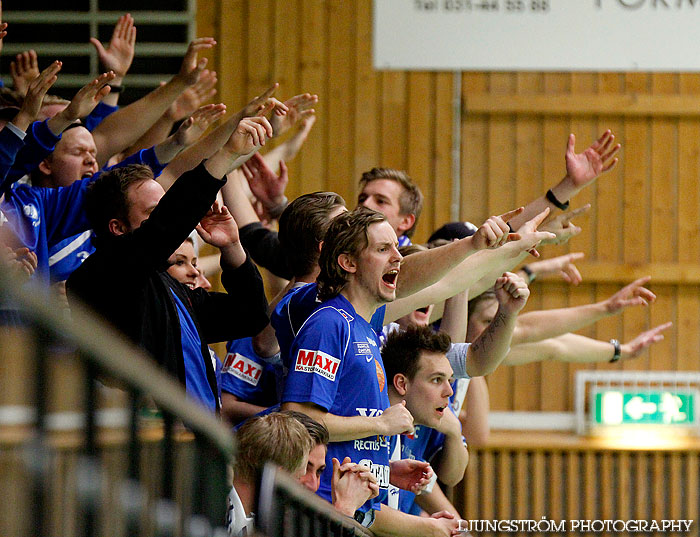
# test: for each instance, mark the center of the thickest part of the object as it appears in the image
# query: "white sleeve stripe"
(70, 247)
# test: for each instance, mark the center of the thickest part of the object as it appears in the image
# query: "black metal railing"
(197, 512)
(284, 509)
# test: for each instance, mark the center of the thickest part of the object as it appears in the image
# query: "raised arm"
(562, 265)
(467, 273)
(124, 127)
(189, 132)
(119, 54)
(425, 268)
(581, 170)
(537, 325)
(203, 149)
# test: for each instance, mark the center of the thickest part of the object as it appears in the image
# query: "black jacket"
(125, 281)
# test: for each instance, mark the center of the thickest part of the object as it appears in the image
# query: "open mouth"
(423, 310)
(87, 175)
(191, 285)
(440, 410)
(390, 277)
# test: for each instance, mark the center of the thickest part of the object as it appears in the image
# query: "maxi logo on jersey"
(380, 471)
(317, 362)
(243, 368)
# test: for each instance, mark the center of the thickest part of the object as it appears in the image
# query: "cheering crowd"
(363, 376)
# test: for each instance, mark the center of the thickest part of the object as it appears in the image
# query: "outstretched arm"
(119, 54)
(122, 128)
(189, 132)
(537, 325)
(467, 273)
(580, 349)
(425, 268)
(562, 265)
(208, 145)
(581, 170)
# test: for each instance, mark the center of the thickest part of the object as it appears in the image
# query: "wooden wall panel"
(514, 128)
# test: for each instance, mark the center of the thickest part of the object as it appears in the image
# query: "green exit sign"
(658, 407)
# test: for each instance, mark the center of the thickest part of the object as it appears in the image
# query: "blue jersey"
(44, 217)
(248, 376)
(293, 310)
(334, 362)
(422, 445)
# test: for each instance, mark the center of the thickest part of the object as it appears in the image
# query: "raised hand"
(495, 231)
(643, 341)
(562, 265)
(35, 95)
(198, 123)
(265, 184)
(530, 237)
(249, 136)
(24, 68)
(88, 96)
(511, 292)
(562, 227)
(119, 54)
(191, 68)
(193, 97)
(583, 168)
(298, 108)
(218, 227)
(411, 475)
(634, 294)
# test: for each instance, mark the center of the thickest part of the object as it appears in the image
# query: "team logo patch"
(380, 375)
(243, 368)
(31, 212)
(317, 362)
(363, 349)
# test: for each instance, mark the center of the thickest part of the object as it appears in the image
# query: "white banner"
(540, 35)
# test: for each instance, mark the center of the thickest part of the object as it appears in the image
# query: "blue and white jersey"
(334, 362)
(43, 217)
(293, 310)
(249, 377)
(68, 254)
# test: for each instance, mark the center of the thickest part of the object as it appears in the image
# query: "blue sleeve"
(377, 320)
(245, 375)
(98, 113)
(145, 156)
(38, 144)
(317, 359)
(10, 145)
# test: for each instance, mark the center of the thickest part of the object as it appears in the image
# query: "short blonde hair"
(278, 438)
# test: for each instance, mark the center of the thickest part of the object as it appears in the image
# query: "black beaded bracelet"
(554, 201)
